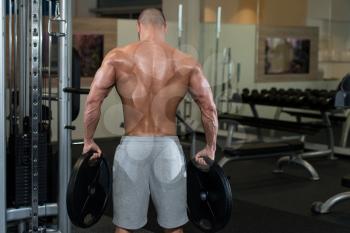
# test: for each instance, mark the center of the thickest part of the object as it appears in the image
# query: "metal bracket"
(79, 91)
(71, 127)
(57, 27)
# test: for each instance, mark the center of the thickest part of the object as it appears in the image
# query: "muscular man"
(151, 79)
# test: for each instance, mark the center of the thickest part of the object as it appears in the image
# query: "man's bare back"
(151, 80)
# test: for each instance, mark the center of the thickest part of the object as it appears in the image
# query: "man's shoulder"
(127, 48)
(117, 52)
(119, 55)
(185, 60)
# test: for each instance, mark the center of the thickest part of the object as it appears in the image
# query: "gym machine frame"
(2, 120)
(35, 211)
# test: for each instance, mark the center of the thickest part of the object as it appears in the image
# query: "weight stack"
(19, 175)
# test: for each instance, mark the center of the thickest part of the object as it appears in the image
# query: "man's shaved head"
(152, 16)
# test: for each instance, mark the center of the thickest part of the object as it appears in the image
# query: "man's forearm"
(91, 118)
(210, 125)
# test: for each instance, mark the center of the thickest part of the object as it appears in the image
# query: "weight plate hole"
(205, 224)
(88, 218)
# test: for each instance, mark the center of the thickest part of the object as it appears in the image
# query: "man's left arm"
(103, 81)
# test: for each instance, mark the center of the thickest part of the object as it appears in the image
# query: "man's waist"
(149, 138)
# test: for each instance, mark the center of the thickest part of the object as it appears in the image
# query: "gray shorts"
(149, 167)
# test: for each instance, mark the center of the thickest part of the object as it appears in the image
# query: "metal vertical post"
(35, 106)
(64, 108)
(27, 83)
(180, 26)
(21, 227)
(187, 103)
(2, 120)
(218, 33)
(238, 79)
(49, 64)
(256, 115)
(23, 110)
(15, 58)
(12, 106)
(193, 144)
(179, 46)
(331, 142)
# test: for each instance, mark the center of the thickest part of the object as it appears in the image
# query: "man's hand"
(202, 157)
(92, 146)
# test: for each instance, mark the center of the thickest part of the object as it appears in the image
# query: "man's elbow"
(213, 110)
(210, 109)
(91, 105)
(92, 101)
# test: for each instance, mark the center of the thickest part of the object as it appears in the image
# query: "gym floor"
(264, 202)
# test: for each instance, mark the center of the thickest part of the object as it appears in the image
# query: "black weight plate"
(88, 190)
(209, 198)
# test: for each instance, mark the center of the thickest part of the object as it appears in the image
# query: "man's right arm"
(202, 95)
(103, 81)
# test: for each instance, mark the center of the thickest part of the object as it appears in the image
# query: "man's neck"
(152, 35)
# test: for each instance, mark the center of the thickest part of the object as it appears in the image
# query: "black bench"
(314, 115)
(281, 125)
(289, 151)
(264, 149)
